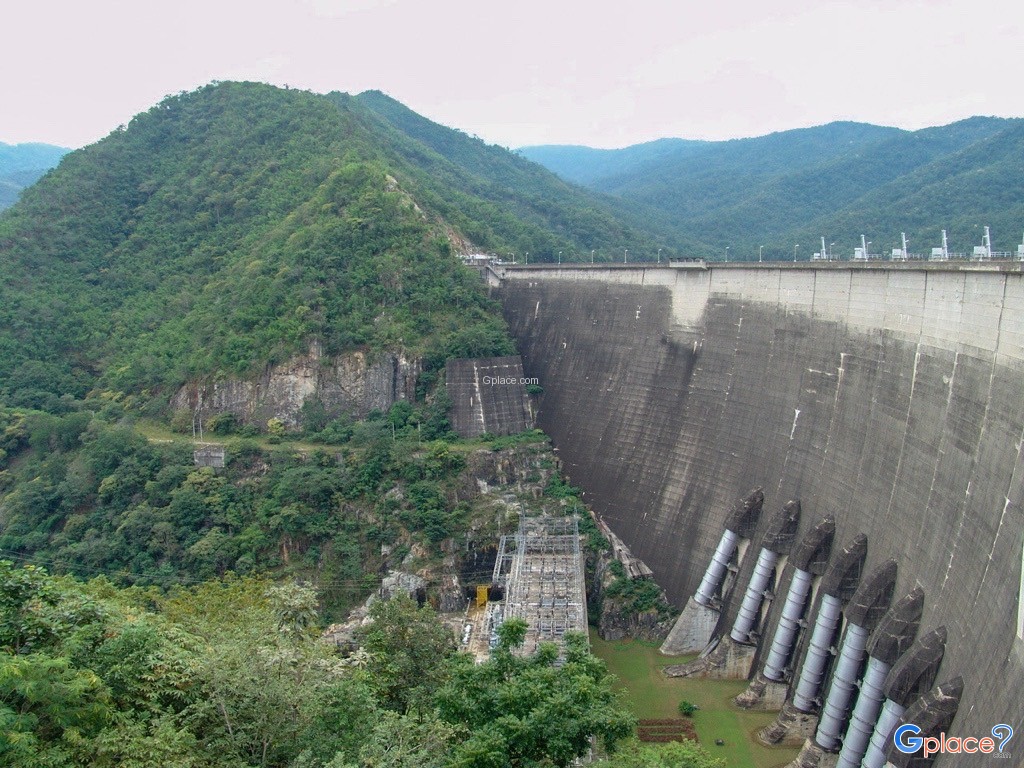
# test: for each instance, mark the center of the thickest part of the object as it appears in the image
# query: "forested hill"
(229, 227)
(836, 181)
(508, 204)
(21, 165)
(590, 166)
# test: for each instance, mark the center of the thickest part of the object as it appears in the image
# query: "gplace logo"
(908, 740)
(492, 381)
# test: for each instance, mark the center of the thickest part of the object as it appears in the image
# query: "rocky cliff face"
(618, 615)
(355, 383)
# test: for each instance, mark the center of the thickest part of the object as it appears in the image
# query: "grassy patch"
(158, 432)
(650, 694)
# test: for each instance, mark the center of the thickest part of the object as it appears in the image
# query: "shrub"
(181, 422)
(313, 416)
(222, 424)
(337, 431)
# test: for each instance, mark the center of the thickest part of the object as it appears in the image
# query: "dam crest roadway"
(884, 397)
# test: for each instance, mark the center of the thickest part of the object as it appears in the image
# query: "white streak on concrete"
(906, 431)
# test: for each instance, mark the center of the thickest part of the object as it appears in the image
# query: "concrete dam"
(885, 402)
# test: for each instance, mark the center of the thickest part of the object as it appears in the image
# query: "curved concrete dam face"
(890, 398)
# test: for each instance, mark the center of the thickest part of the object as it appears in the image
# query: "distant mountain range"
(21, 165)
(787, 190)
(784, 191)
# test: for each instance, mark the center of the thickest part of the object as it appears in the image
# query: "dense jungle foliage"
(232, 674)
(205, 662)
(86, 493)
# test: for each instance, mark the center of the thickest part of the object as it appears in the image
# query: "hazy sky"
(525, 72)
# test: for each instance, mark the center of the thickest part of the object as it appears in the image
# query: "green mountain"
(228, 228)
(838, 181)
(21, 165)
(220, 232)
(511, 204)
(223, 231)
(962, 192)
(589, 166)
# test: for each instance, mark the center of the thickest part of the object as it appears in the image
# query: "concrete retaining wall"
(488, 396)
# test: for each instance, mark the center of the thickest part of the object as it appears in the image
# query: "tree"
(522, 711)
(26, 596)
(95, 680)
(687, 708)
(411, 740)
(313, 416)
(294, 608)
(46, 706)
(265, 679)
(408, 649)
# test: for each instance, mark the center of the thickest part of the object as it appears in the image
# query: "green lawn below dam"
(637, 665)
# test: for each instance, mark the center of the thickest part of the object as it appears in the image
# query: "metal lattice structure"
(541, 570)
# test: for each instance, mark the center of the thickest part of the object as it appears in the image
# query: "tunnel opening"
(478, 569)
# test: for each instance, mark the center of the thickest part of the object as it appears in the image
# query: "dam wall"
(891, 398)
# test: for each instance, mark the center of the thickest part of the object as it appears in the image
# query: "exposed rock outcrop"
(395, 583)
(619, 618)
(354, 383)
(525, 470)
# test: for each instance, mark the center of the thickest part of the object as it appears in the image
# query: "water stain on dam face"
(890, 399)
